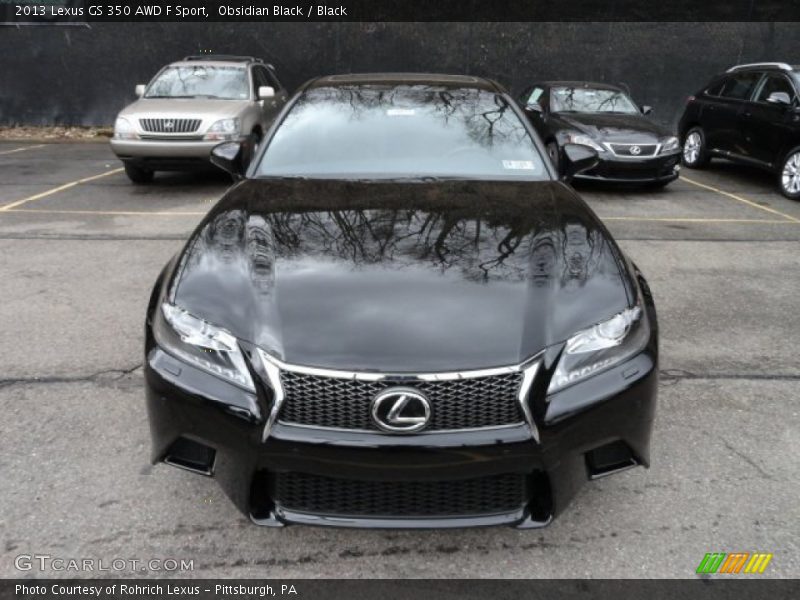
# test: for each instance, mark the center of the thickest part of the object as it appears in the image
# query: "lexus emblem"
(635, 150)
(401, 410)
(169, 125)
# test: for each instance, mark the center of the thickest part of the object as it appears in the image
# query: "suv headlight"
(223, 130)
(123, 130)
(600, 347)
(583, 140)
(202, 345)
(670, 144)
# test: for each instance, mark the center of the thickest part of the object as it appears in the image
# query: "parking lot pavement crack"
(731, 448)
(104, 376)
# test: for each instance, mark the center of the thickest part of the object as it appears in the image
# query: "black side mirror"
(646, 110)
(534, 108)
(779, 98)
(578, 158)
(229, 156)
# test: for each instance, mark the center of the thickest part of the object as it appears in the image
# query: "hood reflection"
(408, 282)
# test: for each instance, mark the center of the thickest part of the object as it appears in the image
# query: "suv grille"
(170, 125)
(645, 150)
(347, 497)
(346, 403)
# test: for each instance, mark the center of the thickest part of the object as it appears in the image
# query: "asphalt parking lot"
(80, 248)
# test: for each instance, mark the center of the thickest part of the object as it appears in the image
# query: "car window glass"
(273, 79)
(406, 131)
(716, 88)
(228, 83)
(534, 96)
(590, 100)
(261, 78)
(774, 83)
(740, 87)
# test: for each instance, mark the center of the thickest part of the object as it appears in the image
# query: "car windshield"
(402, 132)
(590, 100)
(200, 81)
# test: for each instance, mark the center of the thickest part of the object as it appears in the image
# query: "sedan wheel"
(693, 151)
(790, 175)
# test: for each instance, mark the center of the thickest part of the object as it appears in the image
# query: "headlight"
(123, 130)
(600, 347)
(224, 129)
(583, 140)
(670, 144)
(202, 345)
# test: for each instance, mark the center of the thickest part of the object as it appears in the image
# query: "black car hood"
(401, 277)
(635, 129)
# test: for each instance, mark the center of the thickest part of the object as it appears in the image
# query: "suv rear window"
(740, 87)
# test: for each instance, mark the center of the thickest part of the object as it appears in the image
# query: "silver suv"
(192, 105)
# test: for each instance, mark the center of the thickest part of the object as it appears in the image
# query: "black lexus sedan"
(632, 148)
(401, 317)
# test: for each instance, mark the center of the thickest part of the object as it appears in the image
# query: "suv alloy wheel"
(790, 175)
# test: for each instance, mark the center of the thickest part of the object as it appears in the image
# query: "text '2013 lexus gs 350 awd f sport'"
(401, 317)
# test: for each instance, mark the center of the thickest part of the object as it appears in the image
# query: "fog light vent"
(608, 459)
(192, 456)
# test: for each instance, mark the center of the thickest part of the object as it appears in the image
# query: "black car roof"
(432, 79)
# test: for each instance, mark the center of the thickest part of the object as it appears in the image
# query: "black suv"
(748, 114)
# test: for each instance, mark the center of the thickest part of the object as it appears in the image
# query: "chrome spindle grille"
(467, 403)
(169, 125)
(645, 150)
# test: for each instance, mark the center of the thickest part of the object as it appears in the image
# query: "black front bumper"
(613, 410)
(626, 170)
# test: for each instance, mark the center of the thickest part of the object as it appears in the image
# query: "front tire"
(695, 153)
(789, 175)
(137, 174)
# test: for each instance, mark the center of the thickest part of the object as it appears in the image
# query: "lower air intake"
(355, 498)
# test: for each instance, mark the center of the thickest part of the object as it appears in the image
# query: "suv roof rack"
(227, 57)
(776, 65)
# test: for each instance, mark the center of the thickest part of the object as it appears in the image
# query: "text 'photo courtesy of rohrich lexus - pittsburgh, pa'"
(417, 323)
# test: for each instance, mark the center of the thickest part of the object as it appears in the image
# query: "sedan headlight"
(123, 130)
(202, 345)
(223, 130)
(600, 347)
(670, 144)
(583, 140)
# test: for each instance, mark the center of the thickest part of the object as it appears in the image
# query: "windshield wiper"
(150, 97)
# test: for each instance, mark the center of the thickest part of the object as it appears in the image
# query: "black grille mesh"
(346, 497)
(345, 403)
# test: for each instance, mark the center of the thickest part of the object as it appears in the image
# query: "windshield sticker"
(526, 165)
(400, 112)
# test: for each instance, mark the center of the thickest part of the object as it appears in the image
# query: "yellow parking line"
(60, 188)
(142, 213)
(740, 199)
(22, 149)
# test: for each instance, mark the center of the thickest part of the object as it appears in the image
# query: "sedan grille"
(347, 497)
(466, 403)
(644, 150)
(170, 125)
